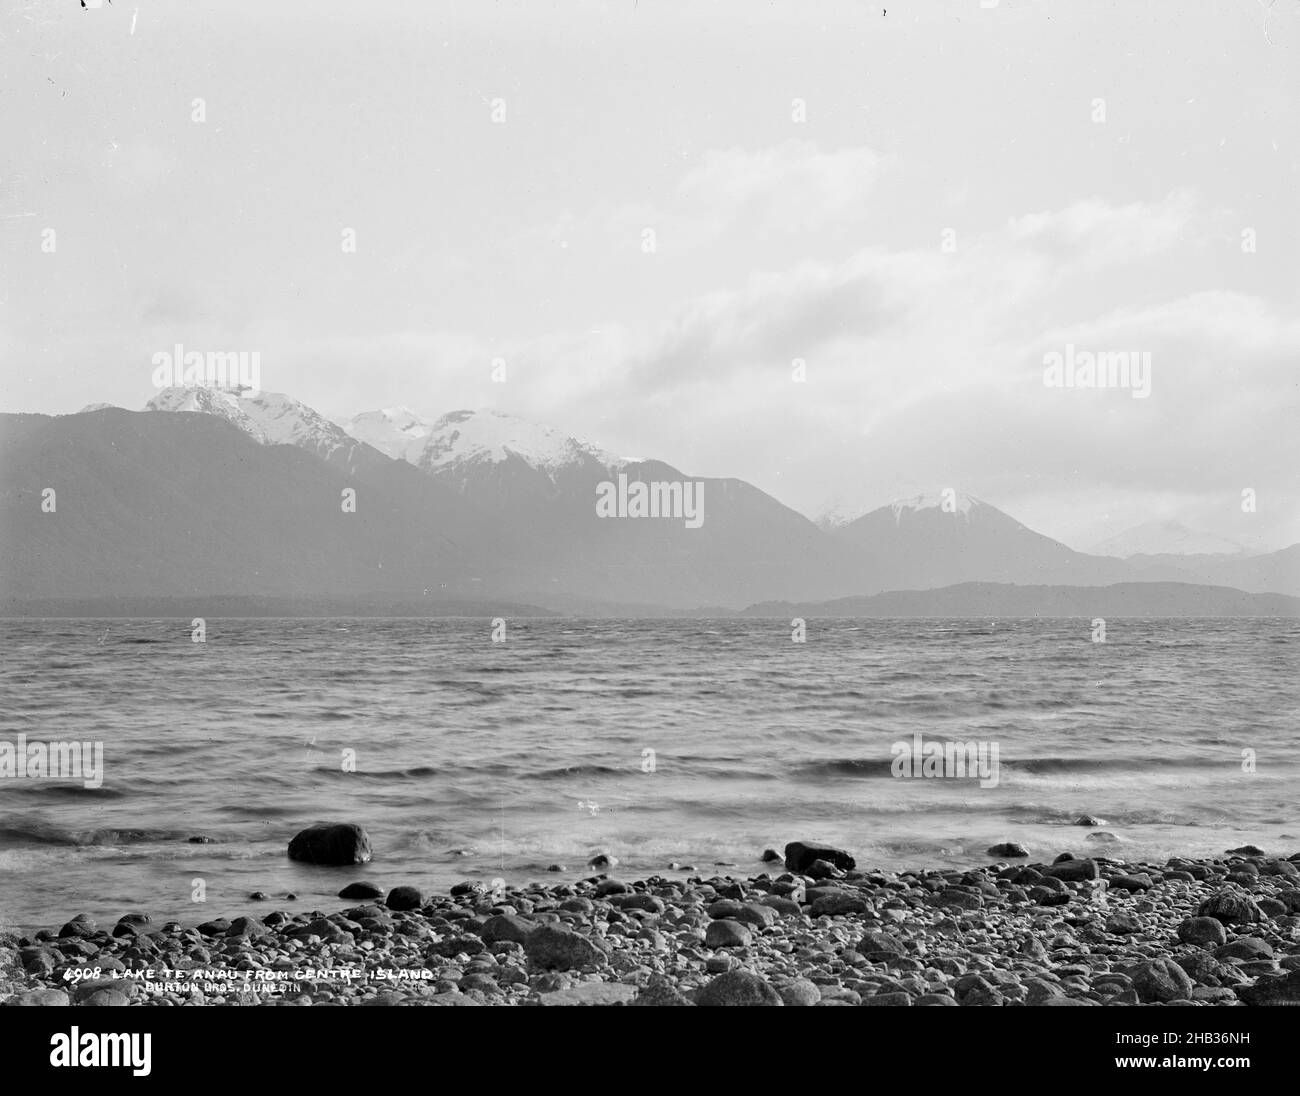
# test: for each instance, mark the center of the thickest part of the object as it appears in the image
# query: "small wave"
(257, 810)
(1046, 765)
(51, 789)
(563, 771)
(377, 774)
(1039, 766)
(125, 837)
(846, 766)
(41, 833)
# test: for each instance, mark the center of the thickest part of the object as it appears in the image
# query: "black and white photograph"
(649, 503)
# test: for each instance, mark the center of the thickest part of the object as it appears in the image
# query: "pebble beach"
(812, 930)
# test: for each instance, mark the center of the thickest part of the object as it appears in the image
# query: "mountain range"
(209, 493)
(1164, 537)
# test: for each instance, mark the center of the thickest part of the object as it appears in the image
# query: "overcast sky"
(955, 205)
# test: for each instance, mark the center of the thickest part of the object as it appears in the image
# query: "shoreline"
(1216, 931)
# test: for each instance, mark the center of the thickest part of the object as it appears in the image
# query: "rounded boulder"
(331, 843)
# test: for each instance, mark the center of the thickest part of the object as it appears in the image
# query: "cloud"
(1097, 234)
(792, 187)
(927, 367)
(781, 191)
(922, 368)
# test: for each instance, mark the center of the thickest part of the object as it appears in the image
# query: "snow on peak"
(270, 418)
(461, 437)
(837, 514)
(490, 436)
(207, 401)
(946, 501)
(396, 431)
(1165, 537)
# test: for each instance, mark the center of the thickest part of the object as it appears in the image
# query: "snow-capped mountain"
(493, 503)
(461, 439)
(838, 513)
(498, 484)
(1166, 537)
(518, 469)
(940, 538)
(394, 431)
(182, 505)
(270, 418)
(946, 502)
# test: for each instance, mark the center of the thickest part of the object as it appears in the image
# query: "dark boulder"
(1245, 947)
(334, 843)
(880, 943)
(957, 898)
(1161, 980)
(739, 987)
(661, 991)
(727, 934)
(1272, 908)
(800, 855)
(246, 926)
(823, 869)
(1203, 932)
(1272, 990)
(1123, 923)
(1008, 848)
(404, 898)
(1073, 871)
(81, 925)
(832, 903)
(647, 902)
(218, 926)
(553, 947)
(1232, 907)
(507, 927)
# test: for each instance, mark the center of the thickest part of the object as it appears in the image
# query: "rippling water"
(481, 759)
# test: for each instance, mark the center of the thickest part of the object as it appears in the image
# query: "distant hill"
(988, 599)
(1168, 538)
(918, 543)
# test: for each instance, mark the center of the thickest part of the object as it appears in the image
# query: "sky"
(825, 248)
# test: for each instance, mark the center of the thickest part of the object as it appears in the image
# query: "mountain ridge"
(481, 506)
